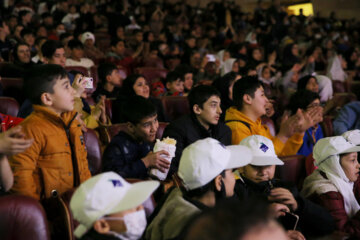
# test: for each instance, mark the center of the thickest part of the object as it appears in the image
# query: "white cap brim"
(240, 156)
(137, 194)
(266, 161)
(352, 149)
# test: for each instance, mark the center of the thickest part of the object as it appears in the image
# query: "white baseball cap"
(87, 35)
(262, 149)
(330, 146)
(105, 194)
(204, 159)
(352, 136)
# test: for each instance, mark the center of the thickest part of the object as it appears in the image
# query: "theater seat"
(108, 107)
(92, 144)
(9, 106)
(175, 106)
(13, 87)
(327, 126)
(114, 129)
(153, 62)
(293, 170)
(309, 164)
(151, 74)
(21, 218)
(80, 69)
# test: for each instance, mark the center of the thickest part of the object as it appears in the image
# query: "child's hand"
(13, 142)
(277, 209)
(288, 127)
(284, 196)
(294, 235)
(78, 85)
(155, 160)
(99, 108)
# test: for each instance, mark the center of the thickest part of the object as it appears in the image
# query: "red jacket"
(334, 203)
(8, 122)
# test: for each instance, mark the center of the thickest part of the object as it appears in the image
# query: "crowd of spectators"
(258, 86)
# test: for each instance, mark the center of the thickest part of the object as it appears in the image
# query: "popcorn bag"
(169, 145)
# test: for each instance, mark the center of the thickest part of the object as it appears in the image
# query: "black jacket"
(123, 155)
(313, 219)
(187, 130)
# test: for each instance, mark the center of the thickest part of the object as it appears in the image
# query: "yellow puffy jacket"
(58, 151)
(247, 127)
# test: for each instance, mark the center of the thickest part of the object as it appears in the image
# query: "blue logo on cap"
(263, 147)
(116, 182)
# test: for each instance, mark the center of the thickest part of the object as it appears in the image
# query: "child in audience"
(206, 173)
(77, 55)
(245, 220)
(108, 207)
(348, 118)
(250, 104)
(130, 152)
(11, 142)
(335, 184)
(307, 101)
(257, 179)
(187, 74)
(174, 84)
(110, 81)
(202, 122)
(57, 161)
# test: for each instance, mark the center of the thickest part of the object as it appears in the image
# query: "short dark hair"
(246, 85)
(304, 81)
(230, 219)
(301, 99)
(115, 41)
(183, 69)
(200, 94)
(26, 31)
(74, 43)
(40, 79)
(136, 108)
(49, 47)
(38, 40)
(173, 76)
(104, 70)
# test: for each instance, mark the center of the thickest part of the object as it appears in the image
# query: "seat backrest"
(22, 218)
(153, 62)
(92, 144)
(108, 107)
(327, 126)
(114, 129)
(13, 87)
(175, 106)
(81, 69)
(151, 73)
(10, 70)
(9, 106)
(293, 170)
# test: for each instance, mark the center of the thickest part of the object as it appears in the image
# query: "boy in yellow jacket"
(244, 118)
(57, 159)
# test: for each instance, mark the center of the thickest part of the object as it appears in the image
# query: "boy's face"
(259, 173)
(59, 57)
(350, 165)
(114, 78)
(146, 129)
(29, 39)
(209, 114)
(175, 86)
(77, 53)
(62, 99)
(312, 85)
(259, 102)
(119, 48)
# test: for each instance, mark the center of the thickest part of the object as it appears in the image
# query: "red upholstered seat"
(293, 170)
(175, 106)
(13, 87)
(21, 218)
(327, 126)
(151, 74)
(83, 70)
(92, 144)
(153, 62)
(9, 106)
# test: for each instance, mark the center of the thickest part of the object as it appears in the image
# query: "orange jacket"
(47, 164)
(240, 131)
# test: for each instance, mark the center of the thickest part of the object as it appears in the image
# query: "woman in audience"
(135, 84)
(335, 184)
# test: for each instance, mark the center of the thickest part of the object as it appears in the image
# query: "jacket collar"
(201, 128)
(234, 114)
(65, 118)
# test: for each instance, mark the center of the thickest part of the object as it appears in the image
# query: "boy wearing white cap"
(206, 172)
(108, 207)
(257, 178)
(335, 184)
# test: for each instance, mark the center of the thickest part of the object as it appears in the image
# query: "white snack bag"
(170, 148)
